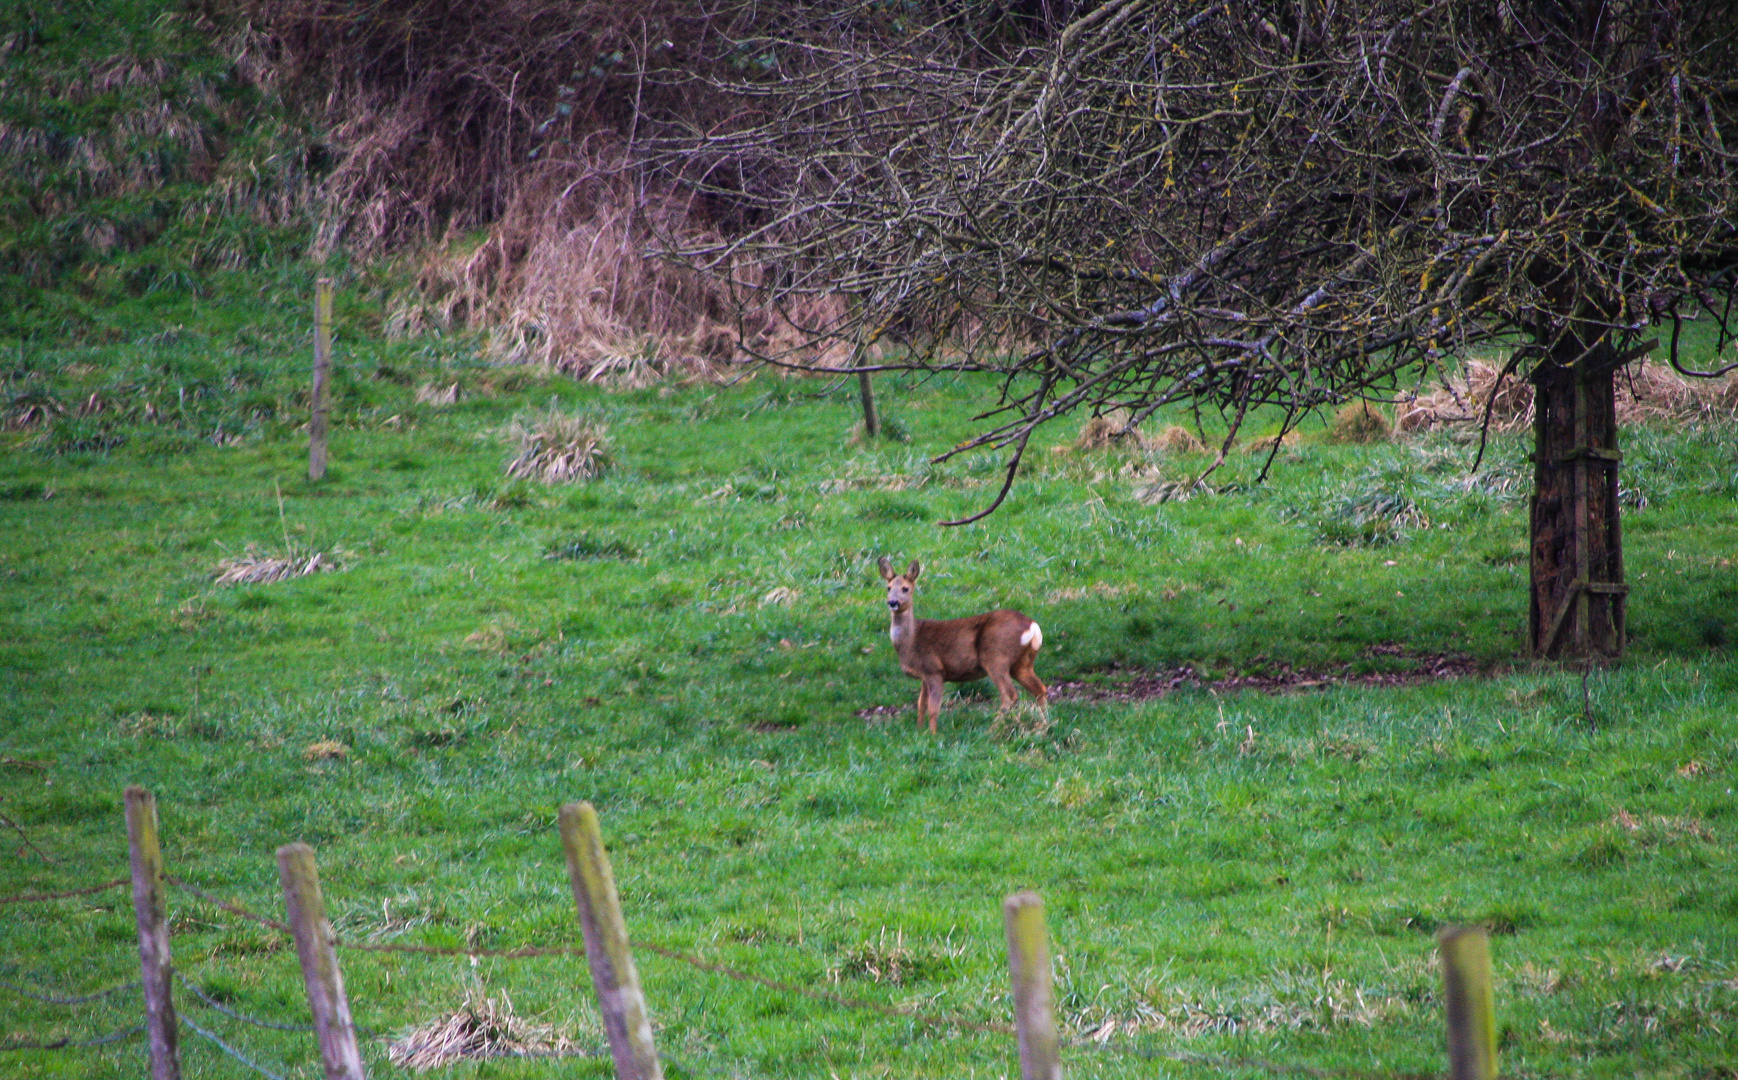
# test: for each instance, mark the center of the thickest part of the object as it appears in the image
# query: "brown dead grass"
(1109, 431)
(1646, 393)
(503, 140)
(438, 395)
(1267, 444)
(256, 567)
(483, 1027)
(1178, 440)
(1360, 424)
(559, 448)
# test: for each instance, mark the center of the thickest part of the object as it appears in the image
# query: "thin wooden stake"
(1472, 1014)
(325, 983)
(1029, 967)
(146, 857)
(866, 391)
(322, 370)
(606, 946)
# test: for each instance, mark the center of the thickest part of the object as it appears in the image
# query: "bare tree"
(1281, 204)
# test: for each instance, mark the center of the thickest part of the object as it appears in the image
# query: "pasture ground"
(694, 641)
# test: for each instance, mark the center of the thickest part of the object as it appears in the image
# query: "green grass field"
(688, 642)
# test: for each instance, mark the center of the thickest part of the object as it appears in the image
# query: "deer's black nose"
(894, 604)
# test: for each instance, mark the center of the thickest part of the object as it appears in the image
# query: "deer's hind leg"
(1023, 673)
(1004, 687)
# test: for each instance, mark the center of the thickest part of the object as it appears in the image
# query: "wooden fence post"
(146, 858)
(307, 914)
(866, 391)
(606, 946)
(322, 370)
(1029, 967)
(1472, 1015)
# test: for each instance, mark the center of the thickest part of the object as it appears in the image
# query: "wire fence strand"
(232, 1014)
(525, 952)
(931, 1020)
(72, 1044)
(233, 909)
(37, 898)
(231, 1051)
(80, 999)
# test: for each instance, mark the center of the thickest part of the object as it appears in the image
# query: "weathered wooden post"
(866, 391)
(1472, 1014)
(1029, 967)
(625, 1018)
(322, 371)
(307, 915)
(146, 857)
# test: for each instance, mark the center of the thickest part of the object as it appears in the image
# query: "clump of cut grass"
(558, 448)
(1268, 444)
(1109, 431)
(881, 961)
(437, 395)
(1171, 490)
(325, 750)
(1173, 439)
(1360, 425)
(483, 1027)
(256, 567)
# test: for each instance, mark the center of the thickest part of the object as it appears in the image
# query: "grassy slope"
(1236, 874)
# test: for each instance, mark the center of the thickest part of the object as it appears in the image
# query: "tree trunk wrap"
(1576, 608)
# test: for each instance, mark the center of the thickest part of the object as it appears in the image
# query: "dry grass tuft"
(1359, 425)
(879, 961)
(325, 750)
(437, 395)
(1109, 431)
(559, 448)
(483, 1027)
(1178, 440)
(1646, 393)
(1024, 721)
(255, 567)
(1267, 444)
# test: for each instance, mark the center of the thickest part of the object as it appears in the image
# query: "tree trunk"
(1577, 589)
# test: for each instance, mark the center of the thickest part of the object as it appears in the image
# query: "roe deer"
(999, 644)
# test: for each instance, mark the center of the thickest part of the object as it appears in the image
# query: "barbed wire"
(231, 1051)
(1214, 1061)
(34, 898)
(232, 1014)
(53, 999)
(1181, 1057)
(70, 1044)
(927, 1019)
(529, 951)
(233, 909)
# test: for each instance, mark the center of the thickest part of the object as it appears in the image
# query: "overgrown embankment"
(139, 155)
(482, 150)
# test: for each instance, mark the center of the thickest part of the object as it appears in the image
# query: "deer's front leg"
(932, 688)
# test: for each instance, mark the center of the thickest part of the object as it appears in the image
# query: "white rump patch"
(1033, 637)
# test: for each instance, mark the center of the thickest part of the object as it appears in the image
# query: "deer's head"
(899, 586)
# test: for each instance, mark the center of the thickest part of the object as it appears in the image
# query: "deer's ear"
(886, 566)
(913, 571)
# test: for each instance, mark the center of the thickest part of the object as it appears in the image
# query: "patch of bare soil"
(1143, 685)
